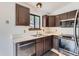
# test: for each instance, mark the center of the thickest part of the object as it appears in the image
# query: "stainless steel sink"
(38, 35)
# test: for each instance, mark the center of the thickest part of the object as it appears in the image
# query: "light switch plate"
(7, 21)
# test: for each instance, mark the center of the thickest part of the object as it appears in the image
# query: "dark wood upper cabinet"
(22, 15)
(45, 21)
(57, 21)
(60, 17)
(48, 21)
(51, 21)
(67, 15)
(71, 14)
(63, 16)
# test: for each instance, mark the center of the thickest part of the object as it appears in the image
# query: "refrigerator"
(76, 31)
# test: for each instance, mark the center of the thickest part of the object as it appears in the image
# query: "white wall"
(67, 8)
(7, 12)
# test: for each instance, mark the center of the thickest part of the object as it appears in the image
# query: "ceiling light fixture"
(39, 5)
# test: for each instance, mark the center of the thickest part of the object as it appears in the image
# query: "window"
(34, 21)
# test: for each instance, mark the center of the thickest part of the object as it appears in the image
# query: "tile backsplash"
(59, 30)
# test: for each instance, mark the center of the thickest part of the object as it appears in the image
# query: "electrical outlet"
(24, 31)
(7, 21)
(56, 30)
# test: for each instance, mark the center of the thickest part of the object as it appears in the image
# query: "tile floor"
(50, 53)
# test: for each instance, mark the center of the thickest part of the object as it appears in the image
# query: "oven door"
(67, 46)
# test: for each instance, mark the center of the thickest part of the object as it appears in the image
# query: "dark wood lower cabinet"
(55, 42)
(43, 45)
(39, 47)
(47, 44)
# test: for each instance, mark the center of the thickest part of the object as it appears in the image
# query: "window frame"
(34, 22)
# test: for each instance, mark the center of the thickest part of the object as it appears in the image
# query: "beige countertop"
(26, 37)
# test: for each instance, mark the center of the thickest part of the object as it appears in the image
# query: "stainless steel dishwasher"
(26, 48)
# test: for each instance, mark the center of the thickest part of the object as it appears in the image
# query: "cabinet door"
(47, 44)
(39, 47)
(63, 16)
(48, 21)
(71, 14)
(51, 21)
(22, 15)
(55, 42)
(57, 21)
(45, 22)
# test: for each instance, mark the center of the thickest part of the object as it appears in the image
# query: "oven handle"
(26, 44)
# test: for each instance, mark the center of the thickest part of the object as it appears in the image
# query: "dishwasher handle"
(25, 44)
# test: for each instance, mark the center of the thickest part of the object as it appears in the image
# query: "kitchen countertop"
(26, 37)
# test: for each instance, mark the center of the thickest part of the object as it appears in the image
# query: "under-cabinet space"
(67, 23)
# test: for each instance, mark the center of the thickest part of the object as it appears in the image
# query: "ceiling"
(48, 7)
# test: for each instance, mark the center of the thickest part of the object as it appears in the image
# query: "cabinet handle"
(26, 44)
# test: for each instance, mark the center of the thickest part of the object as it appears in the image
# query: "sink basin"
(38, 35)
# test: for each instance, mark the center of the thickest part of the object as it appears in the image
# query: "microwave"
(67, 23)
